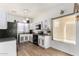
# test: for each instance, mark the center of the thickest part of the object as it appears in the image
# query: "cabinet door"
(26, 38)
(42, 42)
(31, 38)
(22, 39)
(39, 41)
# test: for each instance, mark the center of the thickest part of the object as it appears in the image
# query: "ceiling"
(34, 9)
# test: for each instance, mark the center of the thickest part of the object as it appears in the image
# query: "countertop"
(44, 35)
(36, 34)
(7, 39)
(24, 33)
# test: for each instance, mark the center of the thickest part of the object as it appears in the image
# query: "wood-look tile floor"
(29, 49)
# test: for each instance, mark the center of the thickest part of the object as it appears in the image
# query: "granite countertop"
(24, 33)
(7, 39)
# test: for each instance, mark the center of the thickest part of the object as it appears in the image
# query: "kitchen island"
(8, 46)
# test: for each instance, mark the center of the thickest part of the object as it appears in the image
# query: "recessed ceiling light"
(27, 18)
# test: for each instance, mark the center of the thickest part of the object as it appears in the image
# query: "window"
(64, 29)
(22, 27)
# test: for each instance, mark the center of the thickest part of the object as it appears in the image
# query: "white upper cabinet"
(3, 20)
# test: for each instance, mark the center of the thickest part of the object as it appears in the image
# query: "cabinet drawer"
(26, 38)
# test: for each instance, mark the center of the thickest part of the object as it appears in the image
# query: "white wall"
(11, 18)
(66, 47)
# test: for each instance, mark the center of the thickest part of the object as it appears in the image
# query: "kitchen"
(34, 29)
